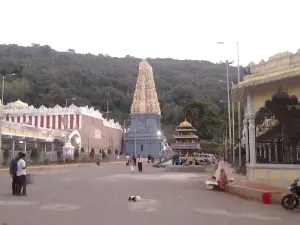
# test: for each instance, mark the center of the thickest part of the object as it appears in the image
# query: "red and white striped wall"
(72, 121)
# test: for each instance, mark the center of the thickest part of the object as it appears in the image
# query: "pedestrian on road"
(134, 160)
(127, 157)
(21, 174)
(13, 172)
(140, 163)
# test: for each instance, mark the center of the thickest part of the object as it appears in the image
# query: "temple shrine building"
(144, 136)
(186, 140)
(270, 94)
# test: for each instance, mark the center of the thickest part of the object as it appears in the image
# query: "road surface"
(99, 195)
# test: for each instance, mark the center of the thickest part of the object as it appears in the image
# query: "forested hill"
(47, 77)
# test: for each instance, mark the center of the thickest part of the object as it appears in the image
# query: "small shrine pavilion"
(186, 140)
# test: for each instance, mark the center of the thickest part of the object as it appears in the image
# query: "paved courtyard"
(99, 195)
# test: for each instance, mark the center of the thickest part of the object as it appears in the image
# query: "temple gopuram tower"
(144, 135)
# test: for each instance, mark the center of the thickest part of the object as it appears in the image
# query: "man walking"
(21, 174)
(13, 172)
(140, 163)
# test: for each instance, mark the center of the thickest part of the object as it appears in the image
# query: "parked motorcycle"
(291, 201)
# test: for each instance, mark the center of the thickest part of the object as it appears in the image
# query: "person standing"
(140, 163)
(21, 174)
(134, 160)
(13, 172)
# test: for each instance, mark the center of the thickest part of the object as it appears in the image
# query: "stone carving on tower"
(145, 98)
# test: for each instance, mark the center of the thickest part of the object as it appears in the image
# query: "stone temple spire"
(145, 97)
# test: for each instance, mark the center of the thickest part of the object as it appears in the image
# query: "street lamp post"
(233, 135)
(69, 99)
(228, 102)
(2, 116)
(3, 79)
(239, 105)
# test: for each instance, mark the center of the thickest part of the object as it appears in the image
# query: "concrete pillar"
(260, 150)
(252, 144)
(276, 151)
(13, 148)
(52, 151)
(246, 132)
(25, 146)
(39, 121)
(269, 151)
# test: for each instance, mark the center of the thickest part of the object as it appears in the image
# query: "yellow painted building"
(270, 94)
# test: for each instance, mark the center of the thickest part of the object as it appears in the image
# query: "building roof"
(185, 123)
(17, 105)
(280, 67)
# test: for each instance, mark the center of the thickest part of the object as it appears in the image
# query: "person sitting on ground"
(223, 180)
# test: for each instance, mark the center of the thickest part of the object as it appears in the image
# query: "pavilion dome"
(185, 124)
(17, 105)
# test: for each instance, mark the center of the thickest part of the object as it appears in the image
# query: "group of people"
(18, 174)
(135, 161)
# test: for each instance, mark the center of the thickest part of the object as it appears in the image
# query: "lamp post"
(228, 101)
(69, 99)
(232, 112)
(2, 102)
(233, 136)
(3, 80)
(239, 103)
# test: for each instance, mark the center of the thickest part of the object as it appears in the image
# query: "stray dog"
(134, 198)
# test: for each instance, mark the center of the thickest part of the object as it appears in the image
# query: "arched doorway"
(278, 130)
(75, 139)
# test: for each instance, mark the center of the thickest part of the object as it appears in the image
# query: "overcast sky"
(181, 29)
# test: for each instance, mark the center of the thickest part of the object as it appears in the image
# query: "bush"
(46, 161)
(35, 155)
(68, 160)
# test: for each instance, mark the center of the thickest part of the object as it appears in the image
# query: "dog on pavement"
(134, 198)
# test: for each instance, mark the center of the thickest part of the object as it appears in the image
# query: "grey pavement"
(99, 195)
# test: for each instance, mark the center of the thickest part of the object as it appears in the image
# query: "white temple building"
(82, 127)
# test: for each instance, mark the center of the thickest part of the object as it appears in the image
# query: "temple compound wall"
(95, 131)
(272, 152)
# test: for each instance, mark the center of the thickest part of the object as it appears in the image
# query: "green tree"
(201, 117)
